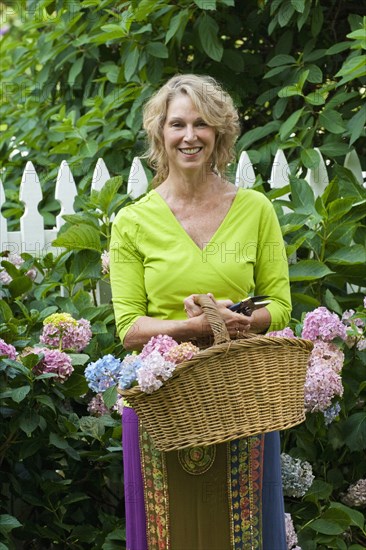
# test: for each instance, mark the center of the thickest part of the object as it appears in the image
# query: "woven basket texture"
(233, 389)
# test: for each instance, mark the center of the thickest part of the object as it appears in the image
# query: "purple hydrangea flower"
(63, 331)
(324, 325)
(7, 350)
(54, 361)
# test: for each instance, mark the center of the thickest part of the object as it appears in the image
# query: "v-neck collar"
(188, 237)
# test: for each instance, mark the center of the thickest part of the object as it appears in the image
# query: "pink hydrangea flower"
(326, 354)
(54, 361)
(356, 494)
(161, 343)
(96, 406)
(361, 344)
(291, 537)
(321, 385)
(16, 260)
(364, 302)
(7, 350)
(324, 325)
(63, 331)
(153, 371)
(181, 352)
(285, 333)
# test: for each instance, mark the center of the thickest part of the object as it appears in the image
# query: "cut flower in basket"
(150, 369)
(156, 363)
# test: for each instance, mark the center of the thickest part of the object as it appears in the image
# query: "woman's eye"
(202, 123)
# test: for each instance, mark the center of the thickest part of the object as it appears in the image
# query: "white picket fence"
(36, 240)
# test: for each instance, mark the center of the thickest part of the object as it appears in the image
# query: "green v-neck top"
(154, 263)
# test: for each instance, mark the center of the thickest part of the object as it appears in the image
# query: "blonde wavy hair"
(214, 105)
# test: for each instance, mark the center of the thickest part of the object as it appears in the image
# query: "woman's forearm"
(181, 330)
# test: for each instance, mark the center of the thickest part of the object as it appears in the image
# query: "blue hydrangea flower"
(129, 367)
(103, 373)
(331, 413)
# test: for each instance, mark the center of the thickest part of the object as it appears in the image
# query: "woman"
(197, 233)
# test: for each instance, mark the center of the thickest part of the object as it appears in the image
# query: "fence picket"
(137, 183)
(100, 175)
(352, 162)
(317, 177)
(65, 192)
(31, 223)
(245, 175)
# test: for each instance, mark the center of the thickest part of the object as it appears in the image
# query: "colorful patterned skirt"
(221, 497)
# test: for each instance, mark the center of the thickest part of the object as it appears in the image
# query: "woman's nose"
(190, 132)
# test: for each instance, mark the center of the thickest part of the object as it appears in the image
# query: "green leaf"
(29, 421)
(208, 33)
(157, 49)
(281, 59)
(308, 270)
(131, 63)
(108, 193)
(75, 69)
(355, 254)
(19, 394)
(357, 124)
(8, 523)
(319, 490)
(356, 517)
(5, 311)
(289, 91)
(20, 286)
(75, 386)
(256, 134)
(78, 358)
(302, 196)
(315, 98)
(177, 25)
(338, 208)
(337, 48)
(80, 237)
(110, 396)
(89, 148)
(58, 441)
(46, 401)
(354, 430)
(285, 13)
(206, 4)
(299, 5)
(334, 149)
(310, 158)
(326, 527)
(332, 303)
(332, 121)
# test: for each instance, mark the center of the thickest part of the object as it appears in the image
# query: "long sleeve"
(271, 269)
(127, 273)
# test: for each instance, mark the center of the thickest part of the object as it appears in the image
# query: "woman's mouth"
(190, 150)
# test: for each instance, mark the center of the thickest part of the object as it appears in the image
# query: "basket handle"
(214, 318)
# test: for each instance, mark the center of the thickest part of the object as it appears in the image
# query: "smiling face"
(189, 142)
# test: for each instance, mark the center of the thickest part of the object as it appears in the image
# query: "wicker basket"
(233, 389)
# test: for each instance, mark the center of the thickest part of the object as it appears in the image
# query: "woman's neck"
(194, 186)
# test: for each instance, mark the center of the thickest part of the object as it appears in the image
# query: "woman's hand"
(236, 323)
